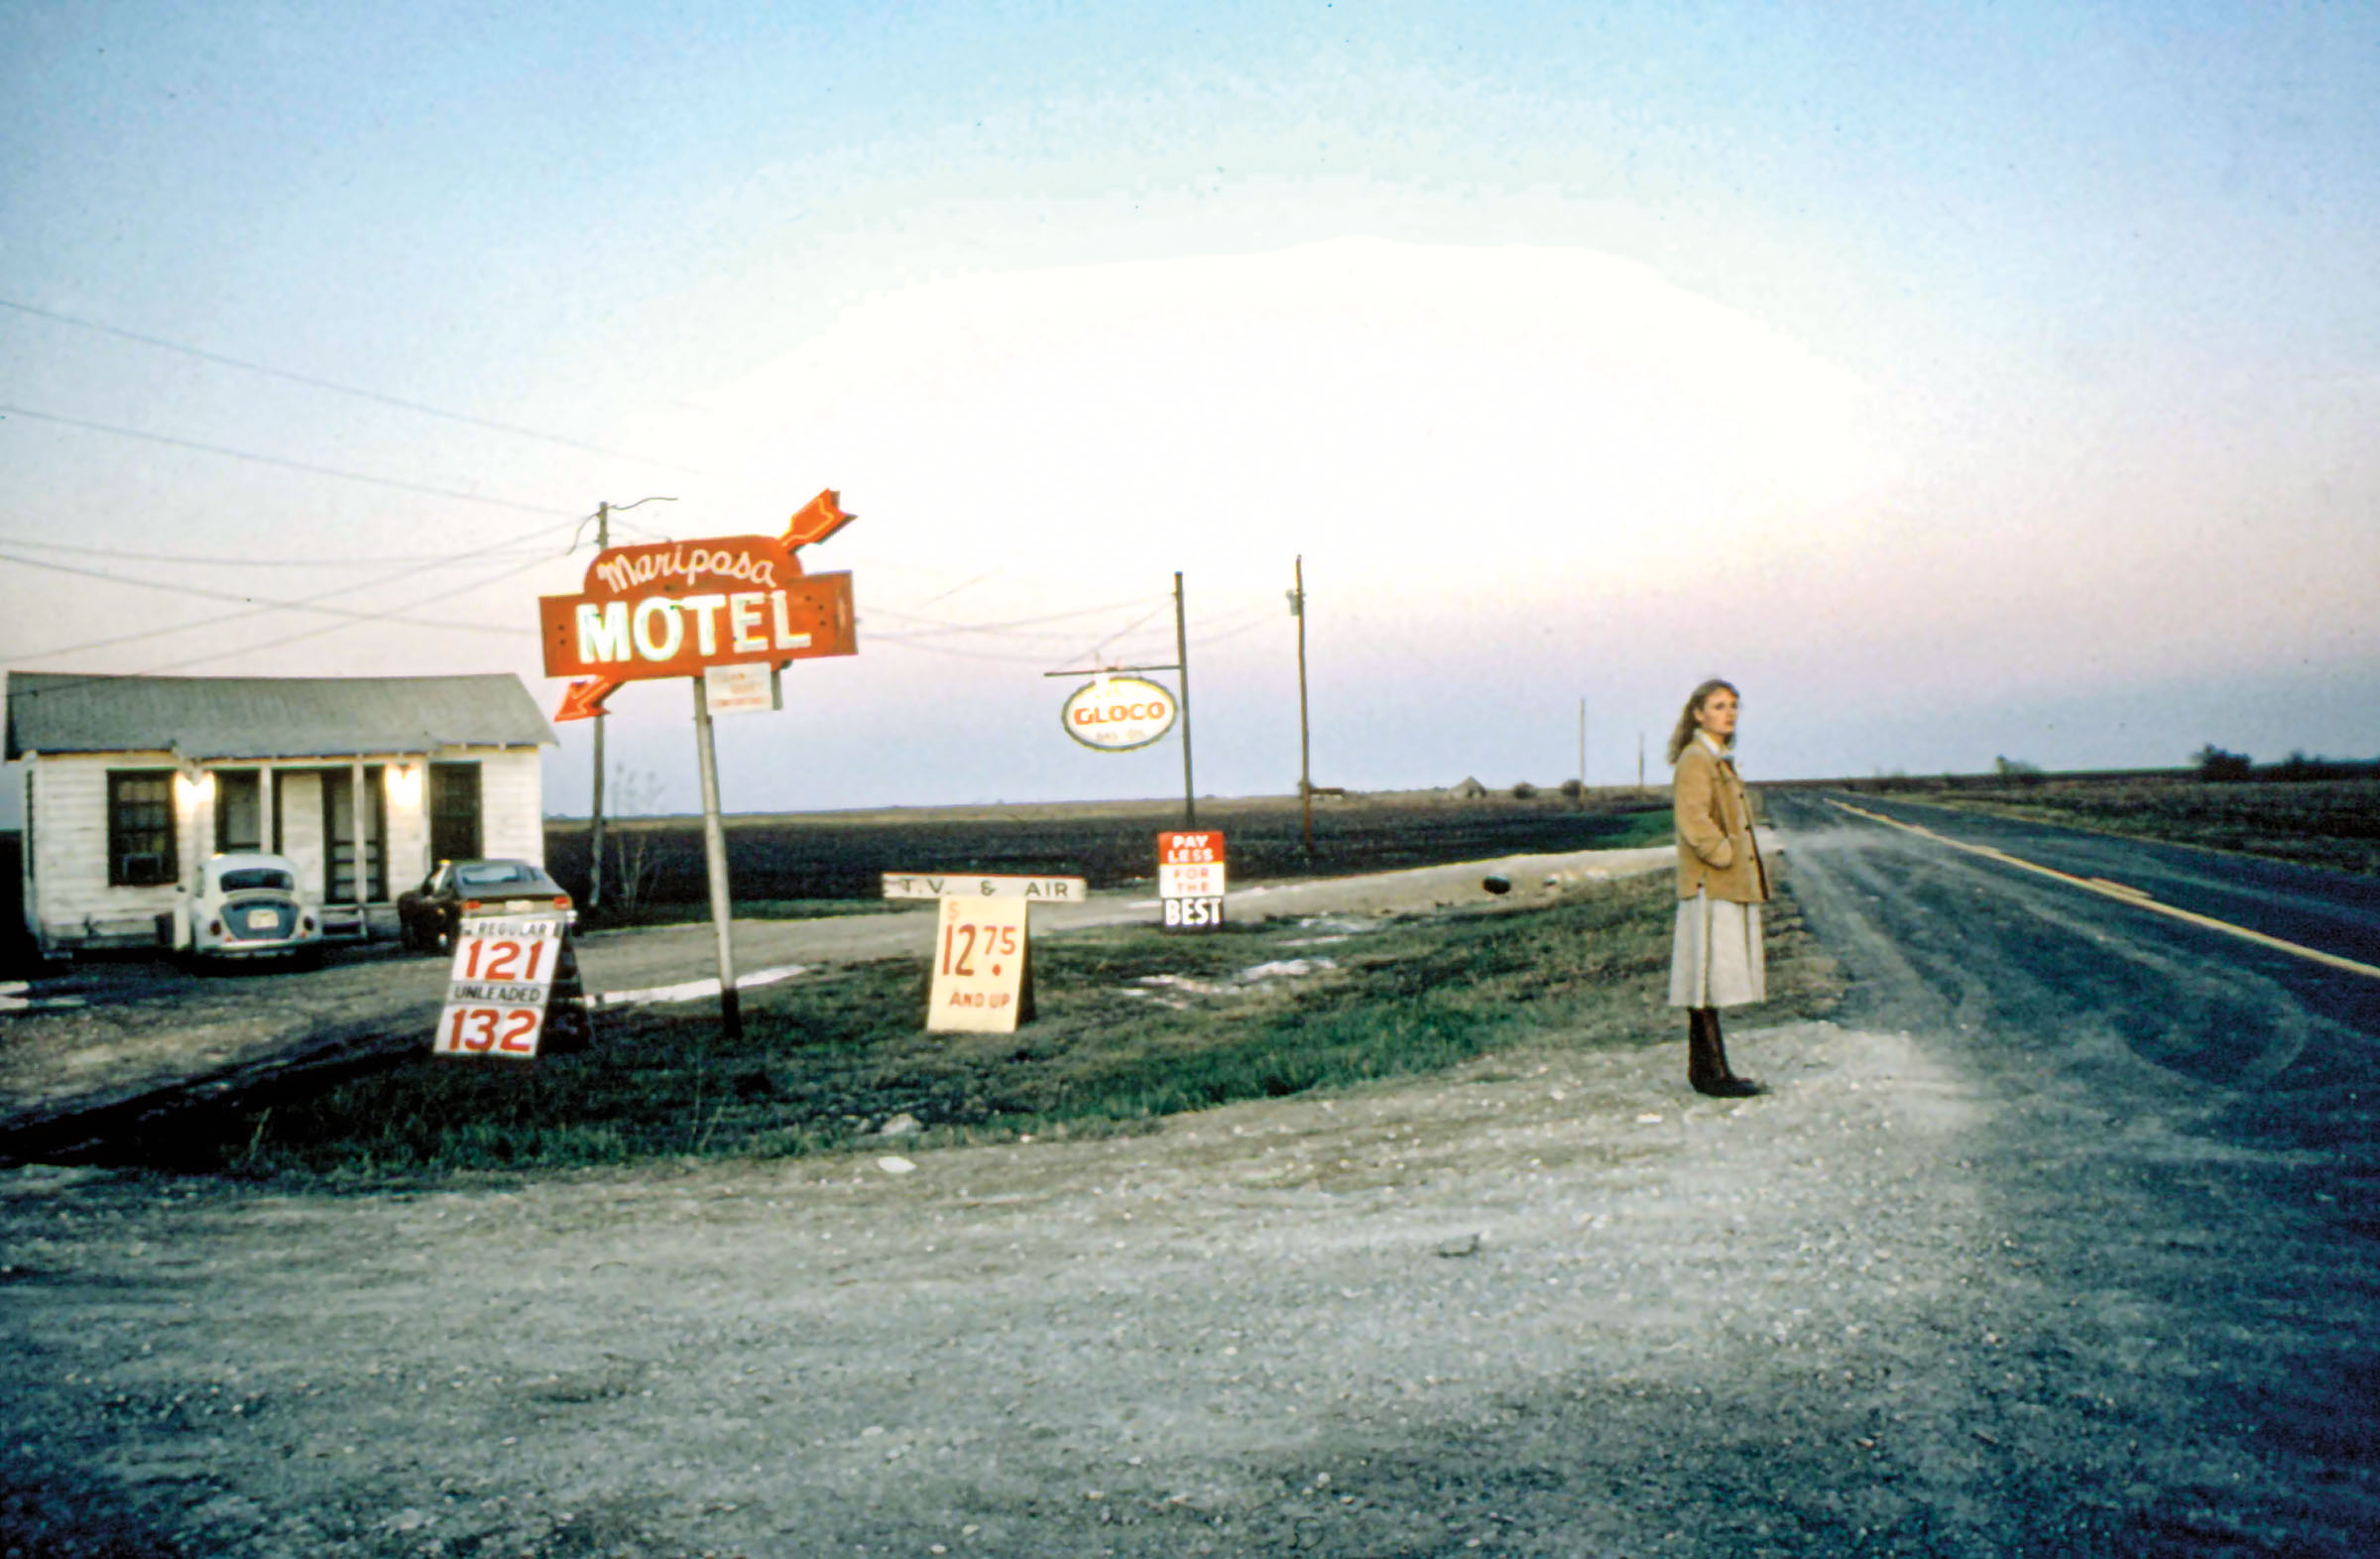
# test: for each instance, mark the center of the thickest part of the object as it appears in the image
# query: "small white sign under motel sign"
(748, 688)
(1118, 713)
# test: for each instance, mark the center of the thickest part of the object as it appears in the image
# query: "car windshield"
(247, 877)
(493, 873)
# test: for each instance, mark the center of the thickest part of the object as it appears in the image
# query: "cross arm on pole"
(1110, 670)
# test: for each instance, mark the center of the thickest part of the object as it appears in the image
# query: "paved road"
(1939, 934)
(2186, 1123)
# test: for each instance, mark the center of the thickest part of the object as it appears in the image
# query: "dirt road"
(1547, 1306)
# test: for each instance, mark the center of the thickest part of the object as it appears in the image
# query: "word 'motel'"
(655, 627)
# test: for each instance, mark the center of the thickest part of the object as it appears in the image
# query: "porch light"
(193, 788)
(404, 784)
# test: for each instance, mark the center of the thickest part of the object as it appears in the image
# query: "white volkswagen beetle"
(249, 906)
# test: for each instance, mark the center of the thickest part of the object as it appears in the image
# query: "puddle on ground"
(1164, 989)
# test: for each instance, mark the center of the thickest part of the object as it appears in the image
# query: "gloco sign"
(1118, 713)
(673, 608)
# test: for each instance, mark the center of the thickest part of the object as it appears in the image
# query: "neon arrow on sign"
(671, 608)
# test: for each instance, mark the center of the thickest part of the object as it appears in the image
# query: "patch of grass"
(1134, 1025)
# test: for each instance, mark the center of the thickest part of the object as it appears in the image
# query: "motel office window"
(454, 831)
(140, 828)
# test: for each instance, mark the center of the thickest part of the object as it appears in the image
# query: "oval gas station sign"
(1118, 713)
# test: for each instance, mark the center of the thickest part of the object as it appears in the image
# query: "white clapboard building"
(130, 782)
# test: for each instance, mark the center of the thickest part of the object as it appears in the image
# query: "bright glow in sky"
(1961, 383)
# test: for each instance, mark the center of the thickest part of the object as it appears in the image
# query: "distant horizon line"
(2285, 770)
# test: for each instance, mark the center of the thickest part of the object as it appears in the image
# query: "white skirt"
(1715, 959)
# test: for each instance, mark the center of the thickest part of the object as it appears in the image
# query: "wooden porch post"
(358, 814)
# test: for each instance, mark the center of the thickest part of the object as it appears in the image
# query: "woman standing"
(1715, 959)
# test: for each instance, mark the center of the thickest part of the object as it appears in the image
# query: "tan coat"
(1716, 847)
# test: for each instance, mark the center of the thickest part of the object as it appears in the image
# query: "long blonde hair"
(1694, 706)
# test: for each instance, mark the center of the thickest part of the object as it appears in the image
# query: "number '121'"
(501, 958)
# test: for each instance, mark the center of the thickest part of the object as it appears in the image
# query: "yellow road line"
(2126, 890)
(2120, 892)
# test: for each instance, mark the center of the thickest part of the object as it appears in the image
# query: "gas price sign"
(980, 957)
(1190, 880)
(497, 987)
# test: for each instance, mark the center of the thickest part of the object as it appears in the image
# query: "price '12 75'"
(963, 940)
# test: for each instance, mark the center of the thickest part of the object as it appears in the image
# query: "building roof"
(232, 717)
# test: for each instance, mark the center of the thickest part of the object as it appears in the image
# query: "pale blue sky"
(2065, 320)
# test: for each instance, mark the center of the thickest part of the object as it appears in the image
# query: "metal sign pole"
(1181, 655)
(1305, 745)
(714, 851)
(603, 543)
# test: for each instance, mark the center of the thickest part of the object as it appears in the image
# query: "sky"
(1960, 382)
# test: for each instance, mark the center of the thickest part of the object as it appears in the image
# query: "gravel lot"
(1539, 1310)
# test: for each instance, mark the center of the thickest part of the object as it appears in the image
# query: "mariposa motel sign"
(712, 611)
(676, 608)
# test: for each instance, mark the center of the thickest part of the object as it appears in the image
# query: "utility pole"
(603, 542)
(1305, 745)
(1640, 762)
(1181, 655)
(1582, 752)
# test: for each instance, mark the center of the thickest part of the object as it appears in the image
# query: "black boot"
(1704, 1071)
(1724, 1083)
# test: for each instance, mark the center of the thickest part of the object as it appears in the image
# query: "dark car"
(429, 916)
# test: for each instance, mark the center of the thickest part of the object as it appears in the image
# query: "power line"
(935, 625)
(903, 641)
(1246, 621)
(331, 385)
(291, 465)
(1230, 633)
(967, 585)
(188, 560)
(251, 609)
(269, 643)
(255, 606)
(391, 615)
(1099, 648)
(1021, 639)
